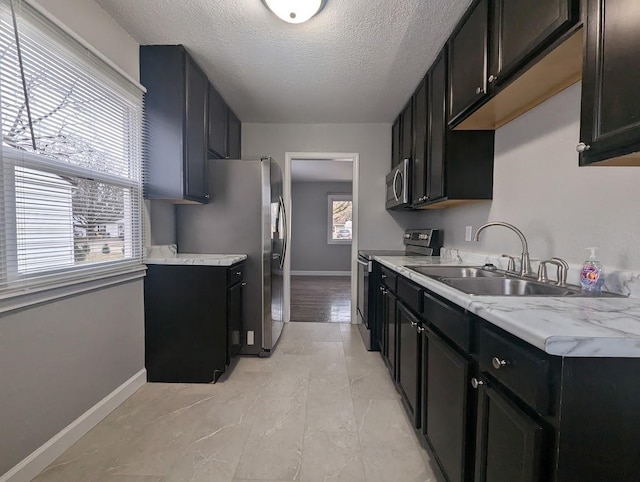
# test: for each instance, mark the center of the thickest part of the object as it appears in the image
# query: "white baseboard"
(40, 459)
(321, 273)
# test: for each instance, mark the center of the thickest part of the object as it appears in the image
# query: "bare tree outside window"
(340, 209)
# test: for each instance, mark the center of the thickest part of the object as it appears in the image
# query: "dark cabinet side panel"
(406, 145)
(438, 127)
(395, 142)
(235, 333)
(234, 138)
(195, 179)
(420, 126)
(217, 139)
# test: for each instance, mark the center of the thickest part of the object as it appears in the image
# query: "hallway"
(321, 408)
(324, 299)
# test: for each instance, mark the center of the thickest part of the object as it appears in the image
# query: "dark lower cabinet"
(390, 315)
(193, 321)
(409, 358)
(447, 408)
(509, 444)
(610, 119)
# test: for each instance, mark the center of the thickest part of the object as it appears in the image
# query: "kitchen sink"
(457, 272)
(507, 287)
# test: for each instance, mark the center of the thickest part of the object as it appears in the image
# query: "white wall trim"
(40, 458)
(354, 157)
(320, 273)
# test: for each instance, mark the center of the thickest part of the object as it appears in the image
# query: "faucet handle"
(561, 274)
(563, 268)
(512, 262)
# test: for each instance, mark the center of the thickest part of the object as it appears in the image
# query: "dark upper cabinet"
(406, 139)
(610, 121)
(520, 28)
(175, 124)
(468, 60)
(409, 360)
(459, 164)
(218, 122)
(234, 134)
(507, 56)
(395, 142)
(509, 444)
(420, 129)
(446, 407)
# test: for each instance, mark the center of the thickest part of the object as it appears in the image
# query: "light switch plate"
(467, 233)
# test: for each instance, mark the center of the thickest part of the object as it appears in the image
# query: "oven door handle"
(367, 264)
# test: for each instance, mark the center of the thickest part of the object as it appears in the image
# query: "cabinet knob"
(414, 324)
(384, 276)
(582, 147)
(498, 363)
(479, 90)
(492, 79)
(207, 196)
(421, 329)
(244, 284)
(238, 273)
(475, 383)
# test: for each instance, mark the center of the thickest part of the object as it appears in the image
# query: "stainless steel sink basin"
(507, 287)
(457, 272)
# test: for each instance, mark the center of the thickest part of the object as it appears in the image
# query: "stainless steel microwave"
(399, 186)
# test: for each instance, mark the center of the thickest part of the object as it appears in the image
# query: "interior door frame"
(354, 157)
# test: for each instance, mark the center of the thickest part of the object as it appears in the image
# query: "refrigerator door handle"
(285, 235)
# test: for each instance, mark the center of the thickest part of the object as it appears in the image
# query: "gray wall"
(561, 208)
(59, 359)
(310, 250)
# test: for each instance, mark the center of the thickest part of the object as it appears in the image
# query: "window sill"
(35, 295)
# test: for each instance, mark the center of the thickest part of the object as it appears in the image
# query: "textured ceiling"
(357, 61)
(321, 170)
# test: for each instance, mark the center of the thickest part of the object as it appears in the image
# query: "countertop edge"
(224, 260)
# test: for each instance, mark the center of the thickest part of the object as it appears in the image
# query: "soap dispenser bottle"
(591, 274)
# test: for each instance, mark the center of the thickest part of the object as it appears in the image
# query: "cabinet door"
(446, 407)
(395, 143)
(195, 179)
(234, 320)
(409, 358)
(468, 62)
(610, 124)
(420, 121)
(406, 144)
(509, 442)
(234, 130)
(391, 319)
(218, 119)
(437, 129)
(521, 28)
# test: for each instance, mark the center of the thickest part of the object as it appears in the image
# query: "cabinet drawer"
(389, 278)
(411, 294)
(235, 273)
(452, 323)
(525, 370)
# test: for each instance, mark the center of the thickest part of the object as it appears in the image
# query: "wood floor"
(324, 299)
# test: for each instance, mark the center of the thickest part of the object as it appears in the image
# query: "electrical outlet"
(467, 233)
(250, 338)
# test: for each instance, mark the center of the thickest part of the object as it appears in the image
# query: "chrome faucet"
(525, 262)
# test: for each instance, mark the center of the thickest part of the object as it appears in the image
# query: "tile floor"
(321, 298)
(321, 408)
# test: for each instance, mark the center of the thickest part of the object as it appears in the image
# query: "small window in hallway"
(340, 218)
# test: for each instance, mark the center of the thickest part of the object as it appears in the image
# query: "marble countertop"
(168, 254)
(572, 327)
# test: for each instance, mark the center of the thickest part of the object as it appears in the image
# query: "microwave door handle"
(395, 191)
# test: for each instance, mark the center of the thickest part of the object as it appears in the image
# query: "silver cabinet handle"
(207, 196)
(498, 363)
(238, 273)
(244, 284)
(475, 383)
(492, 78)
(479, 90)
(421, 329)
(384, 276)
(414, 324)
(582, 147)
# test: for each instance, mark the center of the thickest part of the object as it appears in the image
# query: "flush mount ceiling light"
(295, 11)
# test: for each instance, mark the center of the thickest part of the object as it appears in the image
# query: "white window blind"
(71, 174)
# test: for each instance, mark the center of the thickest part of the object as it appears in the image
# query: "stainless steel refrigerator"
(246, 215)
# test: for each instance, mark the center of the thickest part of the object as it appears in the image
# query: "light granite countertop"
(168, 254)
(571, 326)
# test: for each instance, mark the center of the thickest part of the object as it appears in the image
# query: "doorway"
(321, 192)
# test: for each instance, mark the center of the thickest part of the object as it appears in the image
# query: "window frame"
(331, 197)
